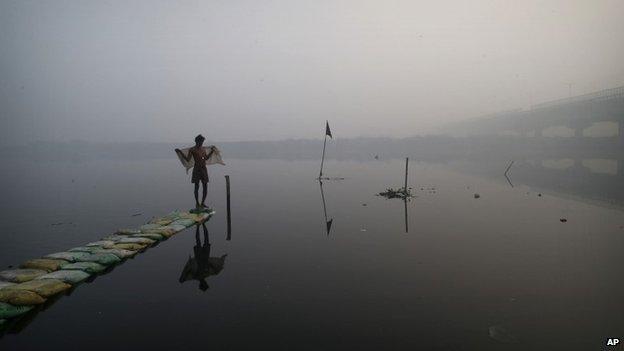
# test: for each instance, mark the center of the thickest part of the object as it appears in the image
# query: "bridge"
(576, 113)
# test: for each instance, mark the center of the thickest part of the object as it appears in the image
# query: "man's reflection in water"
(202, 265)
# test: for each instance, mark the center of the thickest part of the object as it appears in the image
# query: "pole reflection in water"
(201, 265)
(328, 224)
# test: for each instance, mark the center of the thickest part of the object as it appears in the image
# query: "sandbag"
(45, 264)
(184, 222)
(151, 226)
(105, 259)
(4, 284)
(87, 249)
(161, 221)
(20, 297)
(130, 240)
(128, 231)
(130, 246)
(43, 287)
(67, 276)
(121, 253)
(102, 243)
(153, 236)
(89, 267)
(68, 256)
(177, 227)
(21, 275)
(10, 311)
(163, 231)
(115, 238)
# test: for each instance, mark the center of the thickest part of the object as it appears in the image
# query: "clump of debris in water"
(399, 193)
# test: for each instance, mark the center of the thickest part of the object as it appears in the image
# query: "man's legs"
(197, 193)
(204, 193)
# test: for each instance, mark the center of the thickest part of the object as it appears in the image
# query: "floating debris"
(563, 220)
(476, 196)
(136, 214)
(540, 195)
(500, 334)
(400, 193)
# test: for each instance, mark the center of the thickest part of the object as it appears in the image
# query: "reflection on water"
(201, 266)
(328, 222)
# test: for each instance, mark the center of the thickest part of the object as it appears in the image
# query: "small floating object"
(67, 276)
(10, 311)
(42, 287)
(21, 275)
(540, 195)
(45, 264)
(89, 267)
(68, 256)
(20, 297)
(476, 196)
(563, 220)
(500, 334)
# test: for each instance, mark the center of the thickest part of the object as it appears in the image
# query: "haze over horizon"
(154, 71)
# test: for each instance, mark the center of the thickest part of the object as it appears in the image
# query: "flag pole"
(323, 157)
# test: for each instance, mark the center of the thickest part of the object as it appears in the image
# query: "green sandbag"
(21, 275)
(177, 227)
(45, 264)
(128, 231)
(153, 236)
(20, 297)
(161, 221)
(151, 226)
(89, 267)
(4, 284)
(185, 222)
(130, 240)
(68, 256)
(102, 243)
(130, 246)
(67, 276)
(115, 238)
(117, 252)
(105, 259)
(87, 249)
(43, 287)
(10, 311)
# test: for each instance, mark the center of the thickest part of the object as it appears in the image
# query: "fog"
(152, 71)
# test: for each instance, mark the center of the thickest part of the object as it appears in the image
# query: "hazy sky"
(262, 70)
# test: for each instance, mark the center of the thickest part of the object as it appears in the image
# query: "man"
(200, 173)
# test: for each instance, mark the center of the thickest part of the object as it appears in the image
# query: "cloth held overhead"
(215, 157)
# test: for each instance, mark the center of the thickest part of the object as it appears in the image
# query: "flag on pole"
(327, 130)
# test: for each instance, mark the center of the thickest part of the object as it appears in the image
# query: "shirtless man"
(200, 173)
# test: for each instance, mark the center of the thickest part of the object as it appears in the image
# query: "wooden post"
(229, 217)
(406, 164)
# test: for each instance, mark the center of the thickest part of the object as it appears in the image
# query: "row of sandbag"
(38, 279)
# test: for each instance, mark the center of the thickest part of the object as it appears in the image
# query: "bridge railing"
(599, 95)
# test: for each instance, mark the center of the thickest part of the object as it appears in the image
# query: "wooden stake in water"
(406, 165)
(229, 217)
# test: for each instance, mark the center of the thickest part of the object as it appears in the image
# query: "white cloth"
(213, 159)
